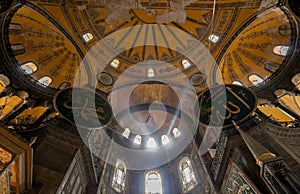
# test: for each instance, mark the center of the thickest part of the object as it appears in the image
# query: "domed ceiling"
(56, 37)
(148, 59)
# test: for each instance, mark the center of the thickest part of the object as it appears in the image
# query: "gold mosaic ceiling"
(51, 36)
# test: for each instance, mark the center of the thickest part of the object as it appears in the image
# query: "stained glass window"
(118, 182)
(164, 139)
(186, 174)
(45, 81)
(151, 72)
(126, 132)
(237, 83)
(186, 64)
(176, 132)
(115, 63)
(87, 37)
(281, 50)
(213, 38)
(255, 79)
(151, 142)
(153, 182)
(137, 139)
(29, 68)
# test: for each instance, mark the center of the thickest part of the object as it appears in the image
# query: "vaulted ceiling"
(238, 35)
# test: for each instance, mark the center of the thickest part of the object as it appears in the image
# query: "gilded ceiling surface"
(239, 35)
(123, 46)
(45, 45)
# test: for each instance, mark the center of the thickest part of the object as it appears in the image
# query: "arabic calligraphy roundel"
(85, 106)
(220, 105)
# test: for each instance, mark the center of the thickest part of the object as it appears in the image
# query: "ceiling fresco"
(162, 71)
(51, 35)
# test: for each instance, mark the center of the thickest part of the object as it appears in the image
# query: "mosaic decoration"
(238, 182)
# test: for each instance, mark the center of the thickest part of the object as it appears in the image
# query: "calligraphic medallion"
(222, 104)
(84, 107)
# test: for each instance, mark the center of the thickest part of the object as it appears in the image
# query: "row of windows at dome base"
(153, 179)
(29, 68)
(253, 78)
(151, 143)
(150, 72)
(87, 37)
(281, 50)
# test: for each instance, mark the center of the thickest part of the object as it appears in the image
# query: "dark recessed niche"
(5, 5)
(295, 6)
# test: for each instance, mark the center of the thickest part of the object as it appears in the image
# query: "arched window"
(255, 79)
(186, 174)
(118, 182)
(151, 142)
(237, 83)
(29, 68)
(271, 67)
(153, 182)
(164, 139)
(87, 37)
(176, 132)
(213, 38)
(18, 49)
(137, 139)
(15, 28)
(126, 132)
(64, 85)
(281, 50)
(186, 64)
(115, 63)
(151, 72)
(45, 81)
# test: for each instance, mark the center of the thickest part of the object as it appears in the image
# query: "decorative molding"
(23, 153)
(217, 160)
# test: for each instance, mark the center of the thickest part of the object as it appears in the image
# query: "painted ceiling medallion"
(198, 79)
(106, 79)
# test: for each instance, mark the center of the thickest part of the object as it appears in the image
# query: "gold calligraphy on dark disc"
(222, 104)
(83, 107)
